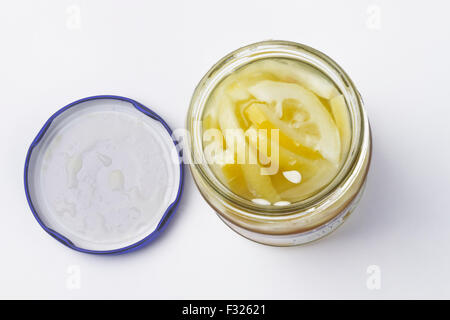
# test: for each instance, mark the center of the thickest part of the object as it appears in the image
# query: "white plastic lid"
(103, 175)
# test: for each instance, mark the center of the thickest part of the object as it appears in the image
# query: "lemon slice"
(262, 118)
(231, 175)
(210, 121)
(289, 191)
(284, 159)
(315, 174)
(342, 119)
(260, 186)
(326, 141)
(292, 71)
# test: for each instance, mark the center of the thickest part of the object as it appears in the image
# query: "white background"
(398, 54)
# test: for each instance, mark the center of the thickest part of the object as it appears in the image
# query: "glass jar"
(299, 222)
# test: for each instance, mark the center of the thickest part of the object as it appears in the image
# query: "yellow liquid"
(276, 131)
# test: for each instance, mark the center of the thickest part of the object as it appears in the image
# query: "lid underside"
(103, 175)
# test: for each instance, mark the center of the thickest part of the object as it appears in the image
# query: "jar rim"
(279, 49)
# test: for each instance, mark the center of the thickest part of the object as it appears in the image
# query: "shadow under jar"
(313, 214)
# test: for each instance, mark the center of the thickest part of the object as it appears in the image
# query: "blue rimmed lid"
(104, 175)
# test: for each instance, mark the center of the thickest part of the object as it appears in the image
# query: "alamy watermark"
(373, 18)
(231, 146)
(73, 20)
(73, 277)
(373, 281)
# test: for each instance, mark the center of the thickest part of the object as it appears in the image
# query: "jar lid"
(104, 175)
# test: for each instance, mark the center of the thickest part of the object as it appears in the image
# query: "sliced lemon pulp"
(326, 140)
(310, 119)
(342, 118)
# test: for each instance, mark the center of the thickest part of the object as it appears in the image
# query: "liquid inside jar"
(276, 131)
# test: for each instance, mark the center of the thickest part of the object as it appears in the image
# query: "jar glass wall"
(304, 220)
